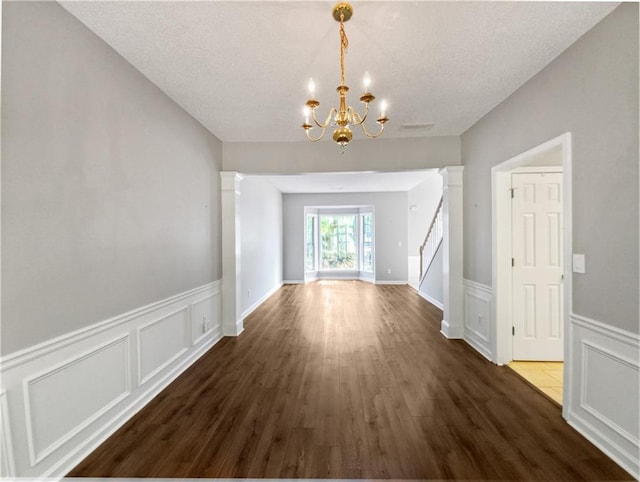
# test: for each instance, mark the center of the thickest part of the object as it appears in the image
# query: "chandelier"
(344, 116)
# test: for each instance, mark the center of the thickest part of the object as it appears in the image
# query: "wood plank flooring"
(345, 379)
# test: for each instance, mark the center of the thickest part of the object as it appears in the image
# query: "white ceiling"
(241, 68)
(351, 181)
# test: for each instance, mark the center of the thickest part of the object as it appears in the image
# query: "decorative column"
(231, 254)
(453, 314)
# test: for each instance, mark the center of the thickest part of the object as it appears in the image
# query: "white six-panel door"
(537, 266)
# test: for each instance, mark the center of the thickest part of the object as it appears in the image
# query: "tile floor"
(546, 376)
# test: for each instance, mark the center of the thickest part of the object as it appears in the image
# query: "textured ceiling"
(241, 68)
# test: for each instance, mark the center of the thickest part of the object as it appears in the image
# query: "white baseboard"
(391, 282)
(428, 298)
(602, 399)
(262, 299)
(294, 282)
(478, 317)
(118, 365)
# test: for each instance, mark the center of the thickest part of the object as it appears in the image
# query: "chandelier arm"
(359, 120)
(315, 139)
(372, 136)
(326, 122)
(351, 116)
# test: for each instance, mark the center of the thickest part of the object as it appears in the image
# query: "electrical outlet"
(388, 270)
(579, 264)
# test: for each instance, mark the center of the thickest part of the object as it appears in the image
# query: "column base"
(232, 328)
(451, 332)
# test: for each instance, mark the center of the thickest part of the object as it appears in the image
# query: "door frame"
(501, 249)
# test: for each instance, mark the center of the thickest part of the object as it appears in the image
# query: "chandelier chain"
(344, 43)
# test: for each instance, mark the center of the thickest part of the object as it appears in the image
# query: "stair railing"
(431, 241)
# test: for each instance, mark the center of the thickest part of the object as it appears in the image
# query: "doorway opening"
(532, 313)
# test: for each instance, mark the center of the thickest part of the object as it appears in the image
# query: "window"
(366, 239)
(310, 243)
(339, 241)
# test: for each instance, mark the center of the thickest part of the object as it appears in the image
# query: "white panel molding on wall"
(603, 396)
(60, 399)
(7, 466)
(53, 417)
(161, 342)
(201, 322)
(477, 317)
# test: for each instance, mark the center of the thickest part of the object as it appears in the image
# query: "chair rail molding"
(62, 398)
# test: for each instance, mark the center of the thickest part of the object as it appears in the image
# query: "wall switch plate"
(579, 263)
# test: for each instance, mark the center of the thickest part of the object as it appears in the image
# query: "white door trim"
(501, 249)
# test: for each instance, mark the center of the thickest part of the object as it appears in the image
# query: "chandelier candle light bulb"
(311, 85)
(366, 82)
(344, 115)
(383, 108)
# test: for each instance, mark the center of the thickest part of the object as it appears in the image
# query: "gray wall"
(590, 90)
(360, 155)
(110, 191)
(432, 283)
(261, 239)
(425, 197)
(390, 228)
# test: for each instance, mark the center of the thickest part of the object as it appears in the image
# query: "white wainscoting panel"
(60, 399)
(161, 342)
(7, 467)
(204, 312)
(604, 389)
(98, 380)
(477, 317)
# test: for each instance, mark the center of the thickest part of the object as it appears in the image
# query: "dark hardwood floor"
(344, 379)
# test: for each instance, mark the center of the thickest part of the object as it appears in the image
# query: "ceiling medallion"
(344, 116)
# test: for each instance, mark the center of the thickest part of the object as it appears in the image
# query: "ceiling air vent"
(422, 127)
